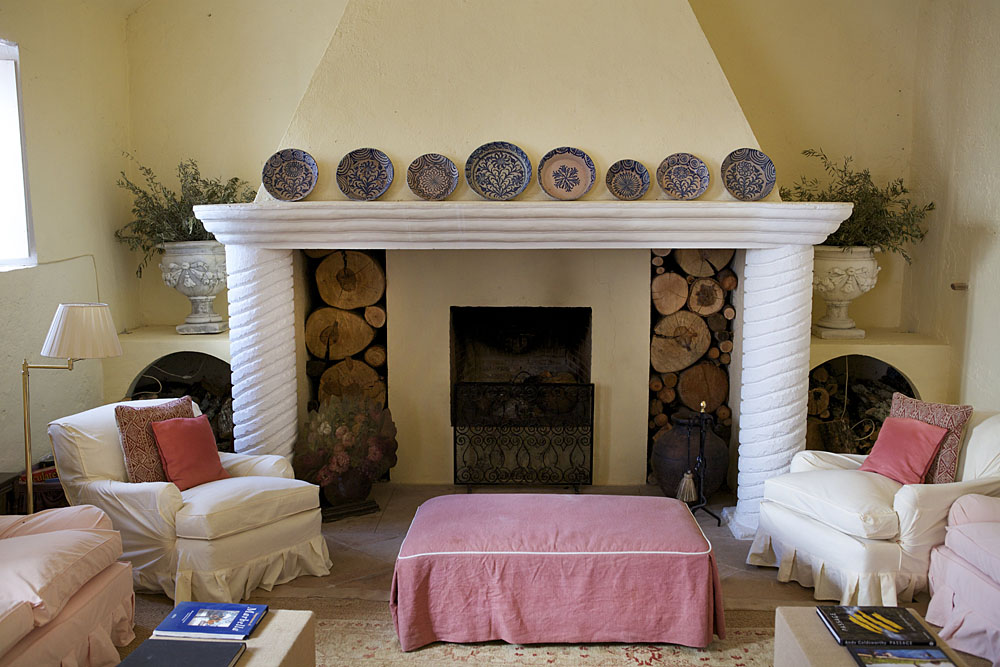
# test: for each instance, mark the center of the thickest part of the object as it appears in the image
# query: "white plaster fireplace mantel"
(524, 225)
(773, 349)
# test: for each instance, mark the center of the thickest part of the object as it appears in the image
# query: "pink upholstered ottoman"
(547, 568)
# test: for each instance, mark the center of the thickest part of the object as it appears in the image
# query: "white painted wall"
(956, 142)
(75, 103)
(217, 81)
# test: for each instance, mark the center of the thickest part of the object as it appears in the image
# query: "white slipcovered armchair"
(213, 542)
(859, 537)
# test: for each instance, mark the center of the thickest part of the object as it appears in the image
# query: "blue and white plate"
(498, 170)
(364, 174)
(683, 176)
(432, 176)
(290, 174)
(627, 180)
(566, 173)
(748, 174)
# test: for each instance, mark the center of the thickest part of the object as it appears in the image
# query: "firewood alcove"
(690, 350)
(345, 330)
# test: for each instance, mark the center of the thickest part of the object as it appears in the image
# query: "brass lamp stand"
(78, 331)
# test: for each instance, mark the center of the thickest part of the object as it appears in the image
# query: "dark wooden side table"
(7, 482)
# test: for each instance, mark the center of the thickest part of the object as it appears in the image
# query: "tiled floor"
(364, 548)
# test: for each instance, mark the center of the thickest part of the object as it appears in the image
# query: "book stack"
(882, 635)
(199, 634)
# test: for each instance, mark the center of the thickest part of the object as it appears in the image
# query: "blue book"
(211, 620)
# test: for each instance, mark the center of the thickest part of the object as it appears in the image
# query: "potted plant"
(884, 219)
(347, 443)
(193, 263)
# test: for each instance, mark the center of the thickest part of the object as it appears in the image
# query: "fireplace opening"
(522, 404)
(849, 398)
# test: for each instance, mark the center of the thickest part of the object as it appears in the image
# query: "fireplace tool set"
(688, 491)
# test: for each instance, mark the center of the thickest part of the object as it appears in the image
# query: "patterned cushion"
(951, 417)
(142, 458)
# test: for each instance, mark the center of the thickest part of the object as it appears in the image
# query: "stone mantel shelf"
(522, 224)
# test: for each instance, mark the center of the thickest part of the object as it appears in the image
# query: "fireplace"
(563, 248)
(522, 404)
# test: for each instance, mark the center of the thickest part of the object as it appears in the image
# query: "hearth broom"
(686, 490)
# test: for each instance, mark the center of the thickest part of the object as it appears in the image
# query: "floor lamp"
(78, 331)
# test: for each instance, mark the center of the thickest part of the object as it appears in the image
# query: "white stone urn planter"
(196, 269)
(841, 275)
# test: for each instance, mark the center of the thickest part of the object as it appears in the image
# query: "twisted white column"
(262, 349)
(777, 308)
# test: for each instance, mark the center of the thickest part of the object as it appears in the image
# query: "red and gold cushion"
(944, 467)
(142, 458)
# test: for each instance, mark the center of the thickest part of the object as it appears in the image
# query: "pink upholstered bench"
(548, 568)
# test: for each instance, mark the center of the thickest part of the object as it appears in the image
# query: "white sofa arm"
(143, 512)
(813, 459)
(256, 465)
(923, 508)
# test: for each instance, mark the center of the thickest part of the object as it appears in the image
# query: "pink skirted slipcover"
(552, 568)
(965, 578)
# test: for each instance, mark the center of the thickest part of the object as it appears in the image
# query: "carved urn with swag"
(196, 269)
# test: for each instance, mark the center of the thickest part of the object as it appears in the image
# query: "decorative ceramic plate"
(364, 174)
(748, 174)
(498, 170)
(432, 176)
(290, 174)
(627, 180)
(566, 173)
(683, 176)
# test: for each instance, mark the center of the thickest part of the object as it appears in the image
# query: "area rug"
(360, 632)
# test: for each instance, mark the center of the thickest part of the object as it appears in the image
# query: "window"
(16, 242)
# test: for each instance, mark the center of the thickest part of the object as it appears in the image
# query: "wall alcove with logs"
(691, 345)
(849, 398)
(345, 329)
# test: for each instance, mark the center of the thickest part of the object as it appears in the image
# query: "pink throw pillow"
(142, 459)
(944, 467)
(188, 451)
(904, 450)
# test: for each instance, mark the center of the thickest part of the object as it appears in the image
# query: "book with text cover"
(211, 620)
(860, 626)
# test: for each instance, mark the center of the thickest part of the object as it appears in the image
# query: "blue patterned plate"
(364, 174)
(290, 174)
(683, 176)
(498, 170)
(432, 176)
(748, 174)
(566, 173)
(627, 180)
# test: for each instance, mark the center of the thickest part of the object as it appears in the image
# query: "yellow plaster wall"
(217, 81)
(414, 77)
(832, 75)
(75, 104)
(955, 147)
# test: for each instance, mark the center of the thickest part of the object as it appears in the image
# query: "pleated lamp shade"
(82, 331)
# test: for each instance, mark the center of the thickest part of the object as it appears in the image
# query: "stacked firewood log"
(691, 342)
(345, 330)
